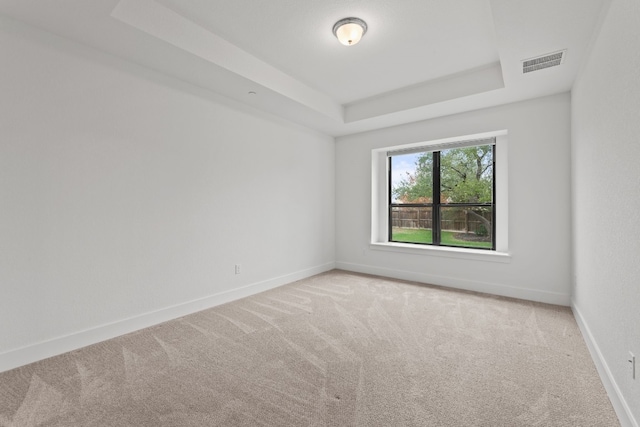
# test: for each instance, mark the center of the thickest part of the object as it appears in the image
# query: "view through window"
(444, 197)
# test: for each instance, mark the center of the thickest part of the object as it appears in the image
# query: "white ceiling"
(419, 59)
(295, 36)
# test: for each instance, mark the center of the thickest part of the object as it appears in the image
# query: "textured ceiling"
(419, 59)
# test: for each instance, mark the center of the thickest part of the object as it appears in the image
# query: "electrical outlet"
(237, 268)
(632, 365)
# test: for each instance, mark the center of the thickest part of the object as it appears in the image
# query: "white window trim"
(380, 204)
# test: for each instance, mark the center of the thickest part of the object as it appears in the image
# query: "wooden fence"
(419, 217)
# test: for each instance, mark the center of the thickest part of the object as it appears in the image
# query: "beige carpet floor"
(337, 349)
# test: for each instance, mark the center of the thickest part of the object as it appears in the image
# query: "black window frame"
(436, 205)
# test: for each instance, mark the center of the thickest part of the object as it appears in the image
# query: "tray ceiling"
(419, 59)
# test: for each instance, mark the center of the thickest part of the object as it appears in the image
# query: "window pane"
(467, 226)
(411, 225)
(467, 174)
(411, 178)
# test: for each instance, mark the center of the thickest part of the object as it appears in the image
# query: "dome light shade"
(349, 31)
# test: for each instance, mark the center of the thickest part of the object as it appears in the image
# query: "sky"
(401, 165)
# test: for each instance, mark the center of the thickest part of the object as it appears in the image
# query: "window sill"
(459, 253)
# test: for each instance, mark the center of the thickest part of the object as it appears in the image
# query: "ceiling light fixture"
(349, 31)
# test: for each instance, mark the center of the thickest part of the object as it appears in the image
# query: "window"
(443, 195)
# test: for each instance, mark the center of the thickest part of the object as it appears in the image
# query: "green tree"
(466, 176)
(417, 187)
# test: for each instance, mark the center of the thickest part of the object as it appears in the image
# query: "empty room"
(310, 213)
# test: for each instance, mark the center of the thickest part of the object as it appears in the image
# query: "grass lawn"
(421, 235)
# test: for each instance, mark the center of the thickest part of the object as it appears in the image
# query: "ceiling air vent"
(544, 61)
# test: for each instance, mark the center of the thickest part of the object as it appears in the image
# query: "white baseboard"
(469, 285)
(42, 350)
(615, 394)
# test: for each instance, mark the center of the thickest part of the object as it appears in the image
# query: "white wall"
(126, 193)
(606, 202)
(539, 203)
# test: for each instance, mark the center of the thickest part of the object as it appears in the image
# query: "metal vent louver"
(542, 62)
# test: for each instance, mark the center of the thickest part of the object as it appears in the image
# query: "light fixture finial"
(349, 31)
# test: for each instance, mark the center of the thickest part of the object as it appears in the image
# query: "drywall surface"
(606, 194)
(125, 192)
(538, 203)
